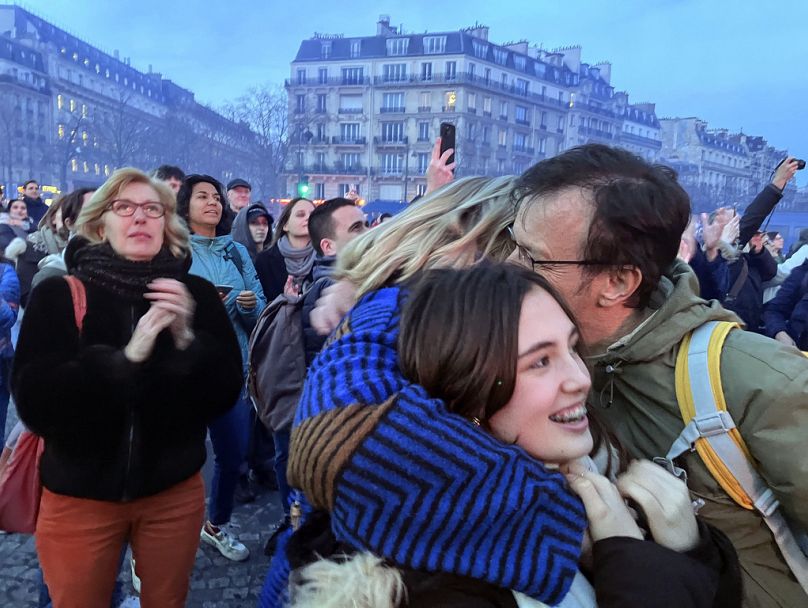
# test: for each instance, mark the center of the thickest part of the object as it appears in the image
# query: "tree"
(265, 110)
(9, 125)
(125, 131)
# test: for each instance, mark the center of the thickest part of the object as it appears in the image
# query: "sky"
(737, 64)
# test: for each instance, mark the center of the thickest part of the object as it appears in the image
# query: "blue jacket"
(9, 305)
(788, 311)
(217, 260)
(713, 276)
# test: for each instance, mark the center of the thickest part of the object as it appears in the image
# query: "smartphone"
(447, 140)
(224, 289)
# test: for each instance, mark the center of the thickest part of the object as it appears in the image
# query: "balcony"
(334, 81)
(640, 140)
(487, 114)
(350, 110)
(320, 111)
(472, 110)
(391, 141)
(503, 117)
(424, 109)
(595, 133)
(522, 121)
(524, 150)
(320, 141)
(392, 110)
(348, 141)
(543, 127)
(447, 109)
(340, 169)
(390, 172)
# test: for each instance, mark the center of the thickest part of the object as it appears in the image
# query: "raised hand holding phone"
(440, 171)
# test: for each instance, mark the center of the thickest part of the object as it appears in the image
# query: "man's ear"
(618, 286)
(327, 247)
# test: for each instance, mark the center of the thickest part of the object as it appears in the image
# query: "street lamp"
(302, 135)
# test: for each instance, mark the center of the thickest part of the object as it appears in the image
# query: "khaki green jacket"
(766, 390)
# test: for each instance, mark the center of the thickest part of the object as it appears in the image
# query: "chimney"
(383, 26)
(116, 54)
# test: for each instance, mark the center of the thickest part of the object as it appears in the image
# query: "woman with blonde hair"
(140, 357)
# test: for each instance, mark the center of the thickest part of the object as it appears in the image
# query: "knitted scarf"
(100, 265)
(46, 241)
(298, 261)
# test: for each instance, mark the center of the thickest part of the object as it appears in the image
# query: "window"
(72, 105)
(471, 131)
(321, 102)
(325, 49)
(486, 135)
(84, 137)
(425, 102)
(487, 75)
(398, 46)
(543, 145)
(350, 104)
(106, 170)
(60, 102)
(519, 141)
(392, 163)
(423, 162)
(503, 110)
(420, 189)
(393, 102)
(350, 160)
(451, 100)
(423, 130)
(97, 168)
(451, 70)
(519, 62)
(322, 75)
(300, 104)
(395, 72)
(480, 48)
(471, 69)
(85, 166)
(521, 86)
(319, 190)
(320, 132)
(426, 70)
(503, 137)
(392, 131)
(560, 126)
(60, 131)
(301, 76)
(434, 44)
(544, 120)
(504, 81)
(472, 102)
(520, 113)
(345, 189)
(487, 105)
(352, 76)
(349, 131)
(500, 56)
(356, 48)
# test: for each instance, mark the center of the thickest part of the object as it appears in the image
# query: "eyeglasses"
(534, 263)
(126, 208)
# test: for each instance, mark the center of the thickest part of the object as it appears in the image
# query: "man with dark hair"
(171, 175)
(36, 207)
(332, 225)
(604, 227)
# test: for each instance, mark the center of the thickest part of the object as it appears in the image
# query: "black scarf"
(99, 265)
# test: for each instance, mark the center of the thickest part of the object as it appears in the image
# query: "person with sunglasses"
(120, 371)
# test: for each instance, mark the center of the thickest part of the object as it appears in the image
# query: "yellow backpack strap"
(711, 431)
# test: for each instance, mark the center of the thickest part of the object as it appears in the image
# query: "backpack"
(276, 361)
(711, 431)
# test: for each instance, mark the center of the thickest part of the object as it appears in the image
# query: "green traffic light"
(302, 189)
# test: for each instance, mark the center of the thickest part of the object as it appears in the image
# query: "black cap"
(255, 212)
(234, 183)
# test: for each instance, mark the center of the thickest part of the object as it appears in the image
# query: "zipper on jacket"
(130, 414)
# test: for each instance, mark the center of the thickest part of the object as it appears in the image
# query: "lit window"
(87, 63)
(86, 167)
(72, 105)
(75, 56)
(84, 137)
(97, 169)
(74, 165)
(60, 130)
(60, 102)
(84, 110)
(97, 69)
(106, 170)
(451, 99)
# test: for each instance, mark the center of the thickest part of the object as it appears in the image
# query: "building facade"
(366, 110)
(70, 114)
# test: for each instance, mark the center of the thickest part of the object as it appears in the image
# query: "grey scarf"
(298, 261)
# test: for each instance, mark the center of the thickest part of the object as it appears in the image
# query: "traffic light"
(303, 189)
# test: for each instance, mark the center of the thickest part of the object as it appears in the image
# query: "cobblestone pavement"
(216, 582)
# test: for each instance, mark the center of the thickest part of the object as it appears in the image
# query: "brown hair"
(284, 218)
(459, 338)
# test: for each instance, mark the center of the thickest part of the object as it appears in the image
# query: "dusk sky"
(737, 64)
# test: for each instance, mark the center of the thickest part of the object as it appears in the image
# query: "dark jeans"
(230, 436)
(261, 454)
(281, 439)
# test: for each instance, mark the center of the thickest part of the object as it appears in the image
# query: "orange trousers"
(79, 543)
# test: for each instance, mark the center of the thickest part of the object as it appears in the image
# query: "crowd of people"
(478, 402)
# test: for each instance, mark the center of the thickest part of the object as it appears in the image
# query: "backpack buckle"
(714, 423)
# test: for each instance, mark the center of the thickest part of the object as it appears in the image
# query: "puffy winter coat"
(218, 260)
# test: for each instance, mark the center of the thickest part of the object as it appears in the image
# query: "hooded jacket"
(241, 229)
(36, 209)
(213, 259)
(765, 385)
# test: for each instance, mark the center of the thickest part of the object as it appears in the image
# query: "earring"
(476, 421)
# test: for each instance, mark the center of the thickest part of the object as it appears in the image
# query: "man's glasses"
(542, 263)
(125, 208)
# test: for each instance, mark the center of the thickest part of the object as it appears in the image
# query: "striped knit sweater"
(424, 488)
